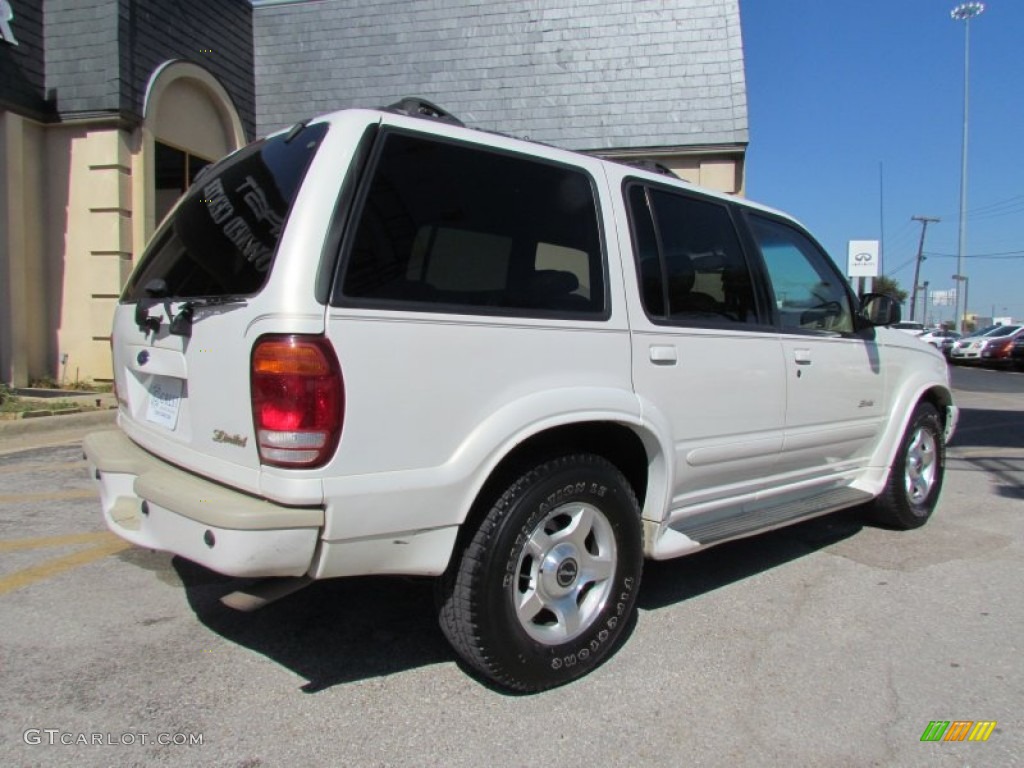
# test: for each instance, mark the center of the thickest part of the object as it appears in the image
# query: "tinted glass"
(690, 264)
(809, 293)
(222, 237)
(450, 227)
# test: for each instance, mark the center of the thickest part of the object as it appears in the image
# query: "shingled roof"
(581, 74)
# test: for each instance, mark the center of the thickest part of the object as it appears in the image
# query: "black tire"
(915, 477)
(548, 583)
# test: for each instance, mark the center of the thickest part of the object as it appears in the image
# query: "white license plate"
(164, 401)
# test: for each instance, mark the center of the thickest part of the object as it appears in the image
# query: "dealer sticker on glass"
(164, 399)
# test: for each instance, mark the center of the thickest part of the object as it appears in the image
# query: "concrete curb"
(18, 427)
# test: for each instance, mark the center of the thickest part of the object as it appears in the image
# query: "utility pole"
(925, 221)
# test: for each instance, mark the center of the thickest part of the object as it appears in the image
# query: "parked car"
(997, 352)
(968, 338)
(380, 342)
(970, 349)
(942, 340)
(1017, 353)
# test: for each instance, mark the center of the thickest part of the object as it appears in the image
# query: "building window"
(176, 169)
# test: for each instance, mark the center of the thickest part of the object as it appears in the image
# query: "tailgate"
(187, 399)
(220, 271)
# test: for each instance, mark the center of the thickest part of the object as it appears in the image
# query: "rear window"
(222, 237)
(450, 227)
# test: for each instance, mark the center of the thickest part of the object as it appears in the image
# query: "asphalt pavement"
(830, 643)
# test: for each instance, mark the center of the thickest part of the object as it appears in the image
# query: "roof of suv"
(445, 124)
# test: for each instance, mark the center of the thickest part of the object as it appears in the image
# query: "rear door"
(707, 362)
(184, 327)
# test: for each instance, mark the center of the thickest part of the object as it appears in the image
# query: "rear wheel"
(548, 583)
(915, 478)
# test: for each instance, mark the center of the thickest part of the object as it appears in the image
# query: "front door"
(834, 378)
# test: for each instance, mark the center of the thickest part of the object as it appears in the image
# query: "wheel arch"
(937, 395)
(632, 451)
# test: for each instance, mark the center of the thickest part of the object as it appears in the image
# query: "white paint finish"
(148, 359)
(835, 400)
(278, 552)
(724, 403)
(417, 386)
(411, 552)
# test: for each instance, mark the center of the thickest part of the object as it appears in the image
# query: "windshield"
(982, 331)
(221, 238)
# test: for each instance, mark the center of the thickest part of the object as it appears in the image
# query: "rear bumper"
(153, 504)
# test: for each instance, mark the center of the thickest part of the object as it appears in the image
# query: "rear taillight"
(298, 400)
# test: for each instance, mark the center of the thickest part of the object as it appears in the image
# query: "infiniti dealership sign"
(863, 258)
(6, 17)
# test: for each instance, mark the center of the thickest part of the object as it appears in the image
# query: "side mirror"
(879, 309)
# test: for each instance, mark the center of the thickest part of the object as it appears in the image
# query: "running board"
(728, 525)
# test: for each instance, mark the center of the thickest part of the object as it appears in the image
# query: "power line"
(1002, 207)
(1001, 255)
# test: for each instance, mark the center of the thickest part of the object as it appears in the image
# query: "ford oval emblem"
(143, 357)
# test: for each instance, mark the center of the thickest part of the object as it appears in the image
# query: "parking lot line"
(15, 498)
(61, 466)
(12, 545)
(23, 578)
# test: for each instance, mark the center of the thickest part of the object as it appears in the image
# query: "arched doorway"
(189, 122)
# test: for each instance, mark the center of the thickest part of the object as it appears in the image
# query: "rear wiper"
(155, 290)
(181, 323)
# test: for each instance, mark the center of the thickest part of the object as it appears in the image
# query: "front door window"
(809, 294)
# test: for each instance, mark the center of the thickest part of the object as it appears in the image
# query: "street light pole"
(962, 279)
(964, 12)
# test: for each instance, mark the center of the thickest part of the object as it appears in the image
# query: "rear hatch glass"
(221, 238)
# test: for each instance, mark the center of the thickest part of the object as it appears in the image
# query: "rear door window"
(691, 267)
(450, 227)
(222, 237)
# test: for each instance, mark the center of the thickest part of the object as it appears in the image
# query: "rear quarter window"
(449, 227)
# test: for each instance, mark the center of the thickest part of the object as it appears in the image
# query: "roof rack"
(414, 106)
(651, 166)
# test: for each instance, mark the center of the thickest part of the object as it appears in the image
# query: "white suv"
(380, 343)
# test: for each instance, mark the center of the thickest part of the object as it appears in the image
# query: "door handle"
(802, 356)
(663, 354)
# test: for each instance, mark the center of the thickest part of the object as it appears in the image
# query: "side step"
(729, 526)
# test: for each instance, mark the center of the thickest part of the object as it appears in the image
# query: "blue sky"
(836, 88)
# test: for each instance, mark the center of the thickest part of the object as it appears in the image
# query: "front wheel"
(549, 581)
(916, 475)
